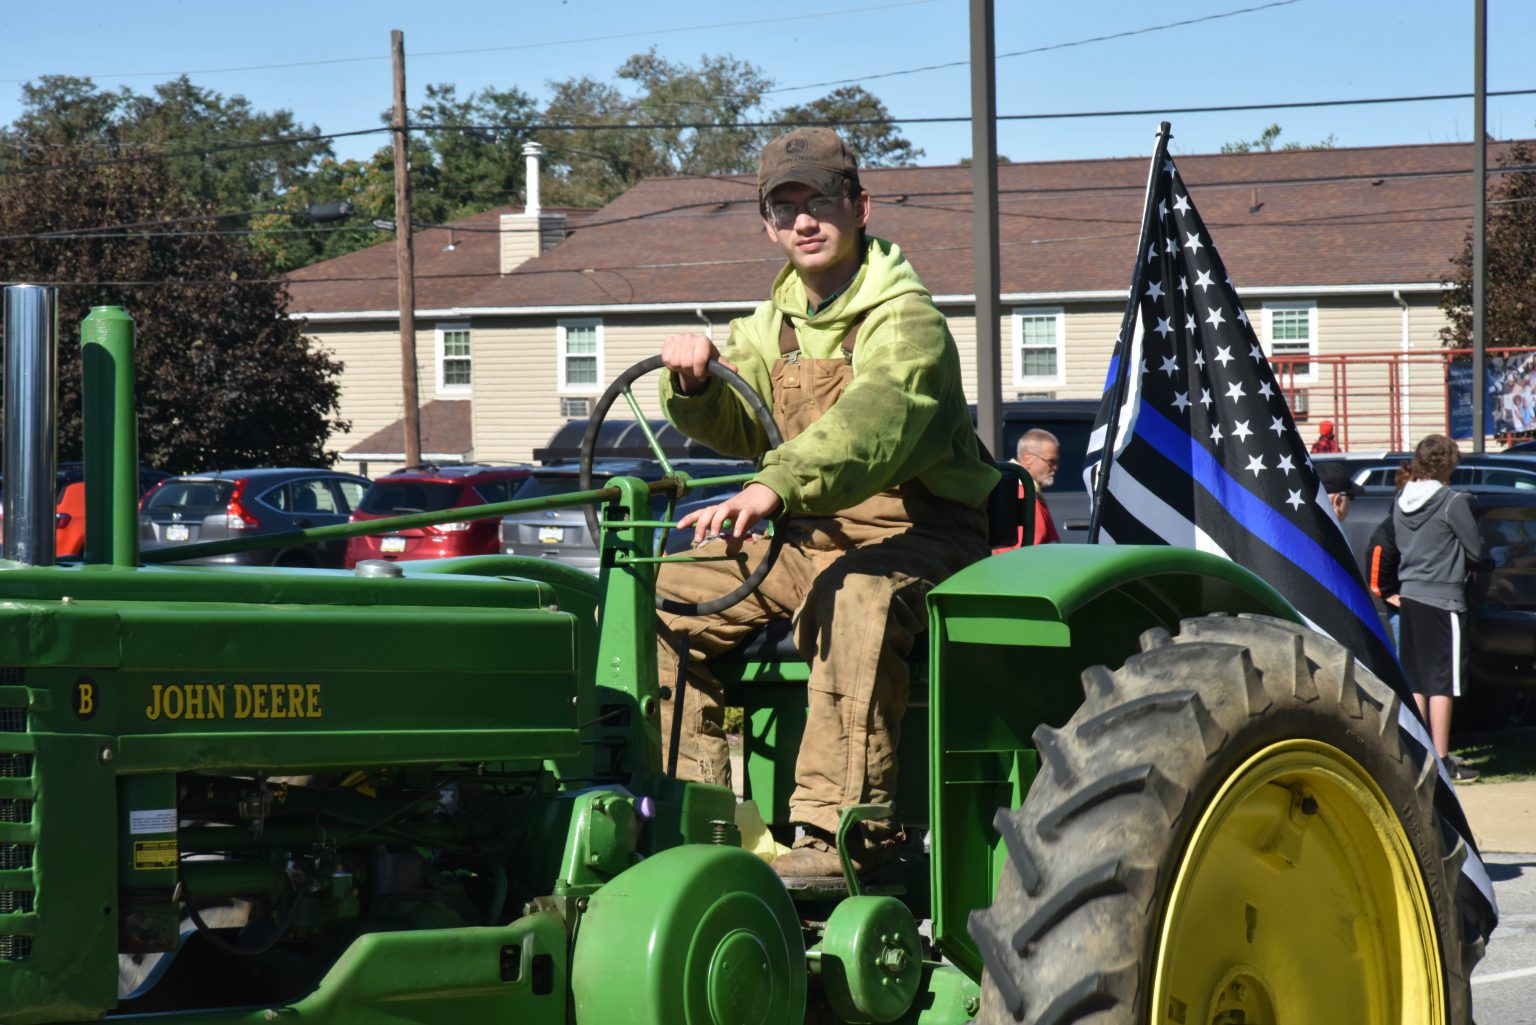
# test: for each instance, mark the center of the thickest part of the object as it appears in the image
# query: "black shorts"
(1431, 649)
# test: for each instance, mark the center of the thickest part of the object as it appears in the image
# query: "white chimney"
(533, 232)
(532, 151)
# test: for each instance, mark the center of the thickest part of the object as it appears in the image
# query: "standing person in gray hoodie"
(1436, 536)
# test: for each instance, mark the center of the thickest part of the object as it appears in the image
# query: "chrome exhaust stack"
(31, 414)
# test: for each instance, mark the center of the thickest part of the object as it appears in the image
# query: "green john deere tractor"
(1136, 789)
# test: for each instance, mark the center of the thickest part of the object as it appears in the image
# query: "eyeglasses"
(784, 215)
(1047, 462)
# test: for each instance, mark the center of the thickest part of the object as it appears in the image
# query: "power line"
(648, 33)
(1039, 49)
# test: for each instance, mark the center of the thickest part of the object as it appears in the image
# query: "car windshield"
(191, 496)
(398, 497)
(542, 485)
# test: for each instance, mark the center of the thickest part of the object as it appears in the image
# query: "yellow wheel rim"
(1298, 900)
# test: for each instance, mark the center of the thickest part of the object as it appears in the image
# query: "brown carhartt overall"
(854, 583)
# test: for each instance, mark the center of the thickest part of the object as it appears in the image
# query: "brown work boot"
(812, 857)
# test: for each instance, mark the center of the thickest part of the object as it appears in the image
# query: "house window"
(453, 357)
(1290, 332)
(1039, 347)
(581, 354)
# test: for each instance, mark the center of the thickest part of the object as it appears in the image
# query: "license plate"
(392, 544)
(551, 535)
(176, 532)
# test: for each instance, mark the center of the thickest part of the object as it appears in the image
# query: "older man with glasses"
(879, 490)
(1040, 454)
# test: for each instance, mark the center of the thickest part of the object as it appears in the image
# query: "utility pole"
(984, 247)
(1479, 219)
(405, 258)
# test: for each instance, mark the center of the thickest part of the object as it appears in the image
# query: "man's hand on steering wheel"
(687, 358)
(733, 518)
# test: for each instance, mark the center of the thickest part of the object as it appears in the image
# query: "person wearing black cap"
(1341, 488)
(879, 490)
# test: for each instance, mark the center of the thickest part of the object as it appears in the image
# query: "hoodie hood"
(1420, 498)
(884, 275)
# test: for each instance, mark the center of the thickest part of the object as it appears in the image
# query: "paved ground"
(1503, 818)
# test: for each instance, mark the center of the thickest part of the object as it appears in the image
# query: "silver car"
(563, 534)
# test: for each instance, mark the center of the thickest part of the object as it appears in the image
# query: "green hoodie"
(902, 417)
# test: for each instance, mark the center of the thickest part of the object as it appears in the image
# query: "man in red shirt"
(1040, 455)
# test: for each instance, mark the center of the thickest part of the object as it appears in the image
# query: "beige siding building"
(525, 316)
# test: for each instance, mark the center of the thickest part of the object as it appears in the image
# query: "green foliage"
(223, 377)
(1266, 143)
(877, 145)
(1510, 258)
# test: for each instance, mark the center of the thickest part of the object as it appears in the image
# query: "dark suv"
(226, 504)
(563, 534)
(434, 489)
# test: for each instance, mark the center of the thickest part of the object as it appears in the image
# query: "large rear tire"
(1232, 828)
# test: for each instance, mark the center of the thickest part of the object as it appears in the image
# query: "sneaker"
(1460, 773)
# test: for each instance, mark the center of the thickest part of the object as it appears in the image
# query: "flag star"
(1155, 290)
(1215, 318)
(1223, 355)
(1169, 245)
(1170, 364)
(1168, 166)
(1200, 358)
(1242, 316)
(1182, 204)
(1266, 391)
(1241, 431)
(1216, 433)
(1295, 501)
(1277, 425)
(1229, 281)
(1184, 285)
(1162, 209)
(1285, 464)
(1189, 322)
(1203, 280)
(1152, 252)
(1181, 400)
(1235, 389)
(1256, 352)
(1163, 327)
(1192, 242)
(1255, 463)
(1205, 397)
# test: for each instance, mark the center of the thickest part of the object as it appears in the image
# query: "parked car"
(69, 521)
(563, 534)
(434, 489)
(239, 503)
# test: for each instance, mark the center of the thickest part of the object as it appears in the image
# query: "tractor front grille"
(18, 810)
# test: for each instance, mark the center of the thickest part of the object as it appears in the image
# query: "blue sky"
(1300, 50)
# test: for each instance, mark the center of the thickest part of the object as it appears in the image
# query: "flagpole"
(1127, 327)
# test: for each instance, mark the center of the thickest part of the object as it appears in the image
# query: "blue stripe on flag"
(1258, 517)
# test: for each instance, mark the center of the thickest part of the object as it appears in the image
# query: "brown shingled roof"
(1367, 216)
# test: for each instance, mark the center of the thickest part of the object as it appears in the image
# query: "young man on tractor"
(879, 490)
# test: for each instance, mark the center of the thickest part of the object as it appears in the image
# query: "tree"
(73, 113)
(1266, 143)
(680, 119)
(223, 377)
(1510, 257)
(877, 145)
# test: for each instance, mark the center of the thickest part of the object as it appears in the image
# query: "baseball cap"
(1336, 479)
(811, 156)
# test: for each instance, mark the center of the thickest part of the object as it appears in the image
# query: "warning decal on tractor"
(150, 854)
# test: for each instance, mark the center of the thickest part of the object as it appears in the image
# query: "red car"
(433, 489)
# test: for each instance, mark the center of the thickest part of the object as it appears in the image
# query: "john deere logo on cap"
(795, 146)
